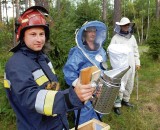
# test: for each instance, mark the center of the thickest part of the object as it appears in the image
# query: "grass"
(143, 49)
(144, 116)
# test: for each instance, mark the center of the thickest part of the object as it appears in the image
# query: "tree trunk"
(124, 7)
(43, 3)
(157, 9)
(14, 36)
(142, 31)
(0, 11)
(86, 1)
(58, 5)
(29, 3)
(138, 33)
(3, 10)
(104, 10)
(17, 9)
(51, 4)
(26, 4)
(6, 11)
(148, 20)
(117, 12)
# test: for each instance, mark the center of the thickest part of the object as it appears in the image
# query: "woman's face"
(90, 36)
(34, 38)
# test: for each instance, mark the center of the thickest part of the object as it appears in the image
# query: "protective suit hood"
(101, 30)
(117, 29)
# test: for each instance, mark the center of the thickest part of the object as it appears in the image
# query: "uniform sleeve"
(113, 40)
(22, 83)
(72, 67)
(33, 97)
(57, 102)
(136, 52)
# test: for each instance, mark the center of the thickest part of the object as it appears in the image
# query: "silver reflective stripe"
(4, 75)
(37, 74)
(40, 100)
(40, 77)
(50, 65)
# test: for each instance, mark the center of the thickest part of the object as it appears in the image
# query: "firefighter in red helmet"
(34, 16)
(31, 83)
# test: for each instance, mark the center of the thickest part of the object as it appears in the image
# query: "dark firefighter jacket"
(26, 75)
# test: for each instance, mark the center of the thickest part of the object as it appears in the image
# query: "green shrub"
(154, 40)
(84, 12)
(7, 116)
(6, 37)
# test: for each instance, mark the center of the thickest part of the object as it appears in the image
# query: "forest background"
(67, 16)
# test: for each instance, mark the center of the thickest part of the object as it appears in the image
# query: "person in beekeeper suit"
(123, 52)
(88, 52)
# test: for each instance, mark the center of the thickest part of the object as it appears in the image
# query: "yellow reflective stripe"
(41, 80)
(40, 77)
(49, 101)
(53, 71)
(6, 83)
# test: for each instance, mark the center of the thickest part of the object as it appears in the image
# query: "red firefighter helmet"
(34, 16)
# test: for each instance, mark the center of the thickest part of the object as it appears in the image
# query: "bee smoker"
(107, 89)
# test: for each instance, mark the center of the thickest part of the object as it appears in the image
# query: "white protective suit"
(132, 57)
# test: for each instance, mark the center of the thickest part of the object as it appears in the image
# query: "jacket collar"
(28, 52)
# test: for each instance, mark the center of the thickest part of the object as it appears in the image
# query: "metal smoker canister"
(109, 89)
